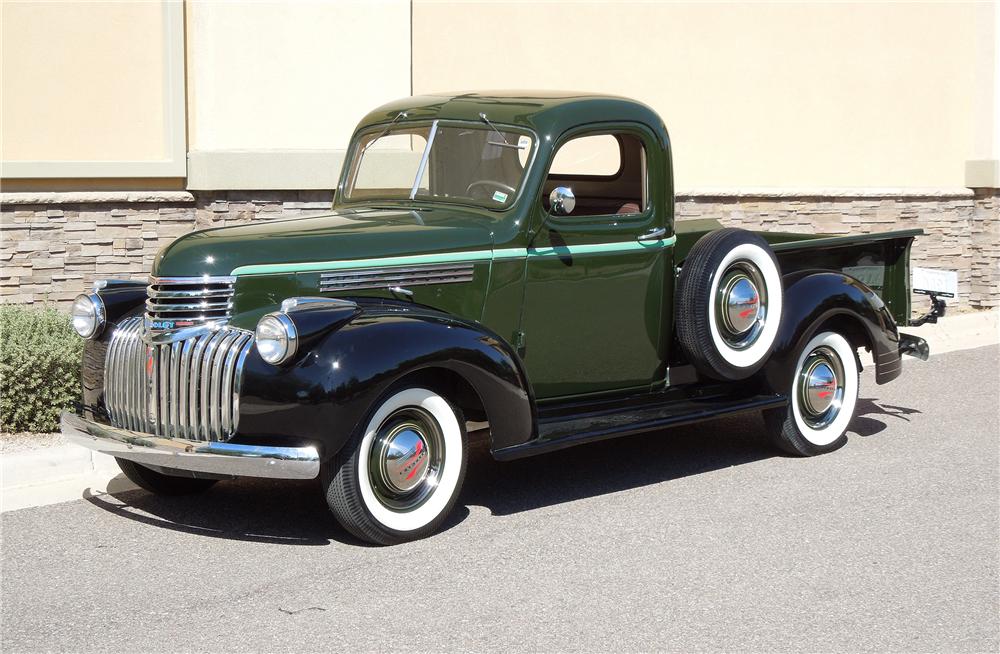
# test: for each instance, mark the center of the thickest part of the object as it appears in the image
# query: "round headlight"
(87, 315)
(276, 338)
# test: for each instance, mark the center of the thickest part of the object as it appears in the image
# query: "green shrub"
(39, 368)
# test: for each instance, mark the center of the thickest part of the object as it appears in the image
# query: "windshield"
(449, 163)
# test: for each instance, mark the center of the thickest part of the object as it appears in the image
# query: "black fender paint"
(811, 298)
(122, 297)
(329, 388)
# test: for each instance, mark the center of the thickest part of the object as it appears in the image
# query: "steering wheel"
(486, 183)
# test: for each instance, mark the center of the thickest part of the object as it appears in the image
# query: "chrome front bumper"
(194, 456)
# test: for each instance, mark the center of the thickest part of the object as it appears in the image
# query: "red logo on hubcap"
(416, 454)
(747, 312)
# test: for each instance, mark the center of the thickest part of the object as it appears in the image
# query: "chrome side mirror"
(562, 201)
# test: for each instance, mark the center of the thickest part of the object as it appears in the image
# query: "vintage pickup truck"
(501, 258)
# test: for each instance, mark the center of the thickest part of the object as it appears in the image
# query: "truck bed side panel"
(881, 261)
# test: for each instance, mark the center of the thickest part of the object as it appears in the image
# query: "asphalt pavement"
(699, 538)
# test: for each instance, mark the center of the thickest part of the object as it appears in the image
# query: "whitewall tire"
(729, 304)
(398, 478)
(822, 399)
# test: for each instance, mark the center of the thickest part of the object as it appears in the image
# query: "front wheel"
(398, 478)
(821, 401)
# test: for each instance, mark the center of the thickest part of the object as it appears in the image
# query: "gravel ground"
(26, 440)
(699, 538)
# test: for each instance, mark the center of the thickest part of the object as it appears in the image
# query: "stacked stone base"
(961, 227)
(53, 246)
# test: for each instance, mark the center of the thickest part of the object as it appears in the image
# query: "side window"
(599, 154)
(605, 171)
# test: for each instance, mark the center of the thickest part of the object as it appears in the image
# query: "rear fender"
(817, 298)
(329, 388)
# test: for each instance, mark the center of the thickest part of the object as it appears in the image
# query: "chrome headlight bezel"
(276, 338)
(90, 321)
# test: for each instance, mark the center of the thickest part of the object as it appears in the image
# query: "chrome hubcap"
(406, 459)
(741, 305)
(821, 387)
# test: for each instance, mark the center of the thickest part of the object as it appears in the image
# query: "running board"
(559, 433)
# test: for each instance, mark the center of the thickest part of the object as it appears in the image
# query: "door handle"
(653, 234)
(399, 290)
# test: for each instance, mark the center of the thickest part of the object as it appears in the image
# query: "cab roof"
(548, 113)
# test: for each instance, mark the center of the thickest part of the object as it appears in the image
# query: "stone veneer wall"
(961, 226)
(52, 246)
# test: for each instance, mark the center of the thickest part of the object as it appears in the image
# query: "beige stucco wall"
(813, 95)
(83, 81)
(292, 75)
(276, 88)
(754, 94)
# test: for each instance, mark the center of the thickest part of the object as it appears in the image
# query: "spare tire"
(728, 306)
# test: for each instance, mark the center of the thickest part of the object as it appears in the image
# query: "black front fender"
(813, 299)
(326, 391)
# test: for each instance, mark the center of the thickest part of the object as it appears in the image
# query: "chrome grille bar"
(183, 395)
(194, 307)
(184, 389)
(354, 280)
(191, 300)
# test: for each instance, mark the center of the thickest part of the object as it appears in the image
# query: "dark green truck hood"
(350, 234)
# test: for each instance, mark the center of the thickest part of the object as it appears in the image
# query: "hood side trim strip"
(453, 257)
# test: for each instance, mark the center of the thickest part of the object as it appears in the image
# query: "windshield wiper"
(506, 143)
(516, 146)
(401, 114)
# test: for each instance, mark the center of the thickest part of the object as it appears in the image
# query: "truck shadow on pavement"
(295, 512)
(865, 424)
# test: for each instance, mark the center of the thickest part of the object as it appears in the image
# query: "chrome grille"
(186, 301)
(183, 389)
(368, 278)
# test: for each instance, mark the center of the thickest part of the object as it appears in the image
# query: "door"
(594, 279)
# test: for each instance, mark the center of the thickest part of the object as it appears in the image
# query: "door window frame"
(603, 222)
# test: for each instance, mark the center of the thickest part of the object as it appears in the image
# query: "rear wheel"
(821, 401)
(398, 478)
(161, 484)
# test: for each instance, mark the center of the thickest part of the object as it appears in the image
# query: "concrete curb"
(63, 473)
(49, 475)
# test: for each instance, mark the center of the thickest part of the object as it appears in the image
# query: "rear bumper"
(889, 362)
(202, 457)
(914, 346)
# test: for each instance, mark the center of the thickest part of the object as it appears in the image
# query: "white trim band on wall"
(834, 192)
(983, 173)
(284, 170)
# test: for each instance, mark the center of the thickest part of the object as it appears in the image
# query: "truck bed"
(880, 260)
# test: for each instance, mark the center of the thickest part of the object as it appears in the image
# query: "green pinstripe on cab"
(453, 257)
